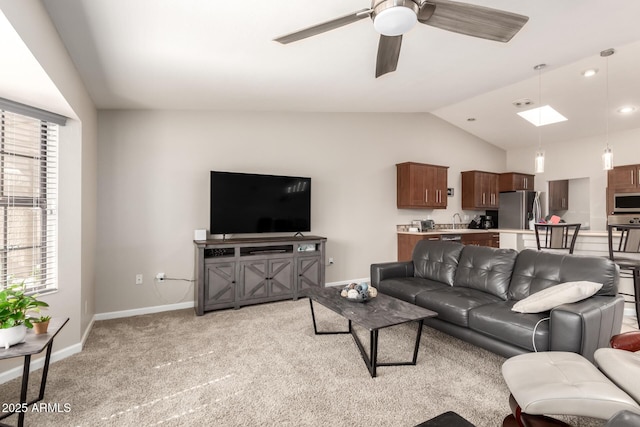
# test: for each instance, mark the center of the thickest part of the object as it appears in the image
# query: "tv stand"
(231, 273)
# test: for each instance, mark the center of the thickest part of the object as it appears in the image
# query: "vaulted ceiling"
(214, 55)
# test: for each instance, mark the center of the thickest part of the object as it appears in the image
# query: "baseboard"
(188, 304)
(347, 282)
(144, 310)
(77, 348)
(39, 363)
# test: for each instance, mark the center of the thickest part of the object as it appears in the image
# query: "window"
(28, 201)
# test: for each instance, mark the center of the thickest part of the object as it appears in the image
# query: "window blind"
(28, 201)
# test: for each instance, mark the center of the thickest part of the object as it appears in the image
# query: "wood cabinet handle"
(632, 175)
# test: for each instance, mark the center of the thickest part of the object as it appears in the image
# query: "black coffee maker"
(486, 221)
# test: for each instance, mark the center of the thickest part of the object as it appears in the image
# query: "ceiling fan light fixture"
(395, 17)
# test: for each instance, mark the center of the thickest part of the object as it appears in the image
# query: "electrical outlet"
(138, 279)
(160, 277)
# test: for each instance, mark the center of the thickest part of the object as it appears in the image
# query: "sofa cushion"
(558, 382)
(406, 288)
(436, 260)
(622, 367)
(498, 321)
(553, 296)
(453, 303)
(486, 269)
(537, 270)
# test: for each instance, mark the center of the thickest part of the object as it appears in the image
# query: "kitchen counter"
(590, 233)
(447, 231)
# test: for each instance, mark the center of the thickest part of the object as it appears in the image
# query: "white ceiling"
(207, 54)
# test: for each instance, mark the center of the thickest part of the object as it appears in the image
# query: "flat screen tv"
(252, 203)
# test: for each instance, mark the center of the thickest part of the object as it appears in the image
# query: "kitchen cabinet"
(514, 181)
(622, 179)
(406, 243)
(421, 185)
(480, 190)
(490, 239)
(559, 195)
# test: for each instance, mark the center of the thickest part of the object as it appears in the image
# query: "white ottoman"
(561, 383)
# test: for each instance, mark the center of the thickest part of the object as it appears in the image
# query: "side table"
(33, 344)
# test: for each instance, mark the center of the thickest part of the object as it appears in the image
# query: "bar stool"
(626, 253)
(556, 236)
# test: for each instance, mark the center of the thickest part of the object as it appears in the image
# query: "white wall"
(581, 158)
(579, 203)
(78, 178)
(153, 186)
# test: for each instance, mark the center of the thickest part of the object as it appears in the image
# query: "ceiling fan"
(393, 18)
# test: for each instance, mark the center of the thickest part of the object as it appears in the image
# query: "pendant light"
(539, 160)
(607, 156)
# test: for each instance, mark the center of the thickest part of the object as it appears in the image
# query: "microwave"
(626, 203)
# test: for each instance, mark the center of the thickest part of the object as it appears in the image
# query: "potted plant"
(40, 324)
(14, 305)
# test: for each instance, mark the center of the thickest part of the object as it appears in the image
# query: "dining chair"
(624, 250)
(556, 236)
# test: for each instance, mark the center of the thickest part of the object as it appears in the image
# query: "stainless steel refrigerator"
(517, 208)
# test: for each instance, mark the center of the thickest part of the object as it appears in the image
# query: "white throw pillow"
(553, 296)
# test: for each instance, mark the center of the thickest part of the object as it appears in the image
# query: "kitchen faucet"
(454, 219)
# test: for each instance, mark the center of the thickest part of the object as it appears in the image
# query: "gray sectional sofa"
(473, 289)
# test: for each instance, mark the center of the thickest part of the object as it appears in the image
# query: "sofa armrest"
(387, 270)
(629, 341)
(585, 326)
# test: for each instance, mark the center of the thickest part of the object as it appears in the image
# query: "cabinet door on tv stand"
(253, 280)
(220, 285)
(309, 270)
(280, 277)
(265, 278)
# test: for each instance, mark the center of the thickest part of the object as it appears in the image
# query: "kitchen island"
(408, 239)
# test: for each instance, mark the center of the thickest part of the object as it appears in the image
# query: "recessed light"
(542, 116)
(627, 109)
(590, 72)
(471, 119)
(524, 102)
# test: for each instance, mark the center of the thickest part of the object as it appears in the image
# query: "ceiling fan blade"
(388, 53)
(471, 20)
(324, 27)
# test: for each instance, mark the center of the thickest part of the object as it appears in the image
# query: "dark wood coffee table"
(377, 313)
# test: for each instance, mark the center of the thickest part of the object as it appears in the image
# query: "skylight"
(542, 116)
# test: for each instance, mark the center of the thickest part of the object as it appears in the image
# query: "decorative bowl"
(355, 292)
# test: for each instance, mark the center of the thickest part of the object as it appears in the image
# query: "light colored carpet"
(263, 366)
